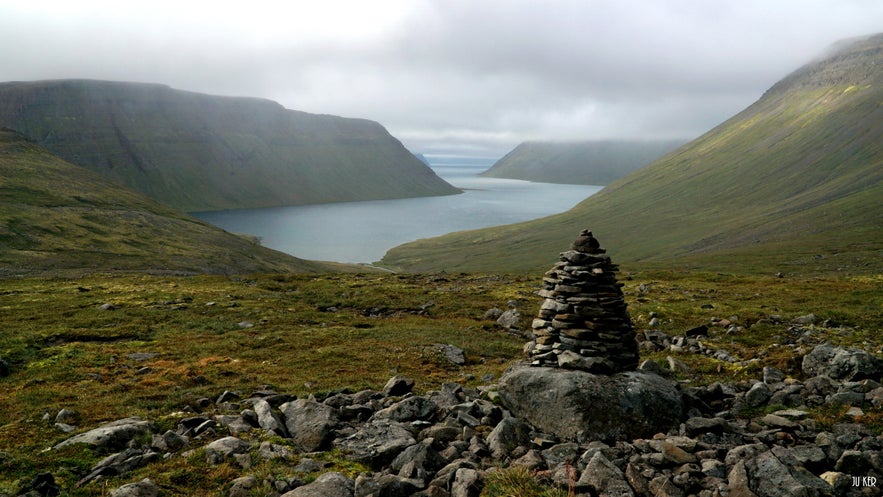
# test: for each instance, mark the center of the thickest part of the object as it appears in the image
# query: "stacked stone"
(583, 322)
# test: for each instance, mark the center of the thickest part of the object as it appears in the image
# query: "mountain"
(57, 218)
(794, 180)
(199, 152)
(580, 162)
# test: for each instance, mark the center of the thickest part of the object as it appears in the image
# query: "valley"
(147, 352)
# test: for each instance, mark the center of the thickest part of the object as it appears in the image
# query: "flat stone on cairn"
(583, 323)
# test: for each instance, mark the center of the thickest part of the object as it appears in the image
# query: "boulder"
(376, 443)
(842, 363)
(509, 434)
(604, 478)
(110, 436)
(328, 485)
(509, 319)
(143, 488)
(453, 354)
(769, 477)
(243, 486)
(397, 386)
(268, 419)
(467, 483)
(418, 461)
(224, 448)
(410, 409)
(580, 406)
(309, 423)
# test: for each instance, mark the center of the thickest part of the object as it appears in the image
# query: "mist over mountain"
(199, 152)
(57, 218)
(796, 176)
(580, 162)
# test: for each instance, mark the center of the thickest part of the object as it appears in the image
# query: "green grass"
(65, 353)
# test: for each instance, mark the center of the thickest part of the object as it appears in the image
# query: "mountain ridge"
(200, 152)
(59, 219)
(588, 162)
(796, 175)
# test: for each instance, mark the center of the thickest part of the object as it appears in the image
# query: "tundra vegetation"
(109, 347)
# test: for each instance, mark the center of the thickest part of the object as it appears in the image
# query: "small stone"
(66, 416)
(758, 395)
(452, 353)
(772, 375)
(143, 488)
(398, 386)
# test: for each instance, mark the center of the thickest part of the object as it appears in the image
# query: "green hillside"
(579, 162)
(198, 152)
(795, 179)
(60, 219)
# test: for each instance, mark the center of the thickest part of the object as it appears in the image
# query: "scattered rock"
(493, 314)
(309, 423)
(509, 319)
(841, 363)
(224, 448)
(243, 486)
(110, 436)
(143, 488)
(330, 484)
(398, 385)
(452, 354)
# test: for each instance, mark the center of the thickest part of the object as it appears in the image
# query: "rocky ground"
(760, 438)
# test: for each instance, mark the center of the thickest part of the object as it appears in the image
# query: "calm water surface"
(361, 232)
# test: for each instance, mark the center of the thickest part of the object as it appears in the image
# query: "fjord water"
(361, 232)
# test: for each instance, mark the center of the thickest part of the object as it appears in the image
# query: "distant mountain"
(796, 178)
(580, 162)
(199, 152)
(57, 218)
(422, 158)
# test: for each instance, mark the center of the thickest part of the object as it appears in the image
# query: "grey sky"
(474, 76)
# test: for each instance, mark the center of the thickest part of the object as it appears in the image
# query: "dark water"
(364, 231)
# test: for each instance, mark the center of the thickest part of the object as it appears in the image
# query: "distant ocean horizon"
(362, 232)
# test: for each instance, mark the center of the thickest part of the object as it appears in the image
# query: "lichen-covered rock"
(110, 436)
(328, 485)
(842, 363)
(143, 488)
(309, 423)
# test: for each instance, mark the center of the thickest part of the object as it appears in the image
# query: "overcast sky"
(470, 76)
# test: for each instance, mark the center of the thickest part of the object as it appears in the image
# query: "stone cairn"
(583, 322)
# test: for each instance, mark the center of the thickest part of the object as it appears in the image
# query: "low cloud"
(455, 75)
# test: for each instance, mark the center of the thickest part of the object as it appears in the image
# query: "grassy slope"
(584, 162)
(798, 174)
(200, 152)
(58, 218)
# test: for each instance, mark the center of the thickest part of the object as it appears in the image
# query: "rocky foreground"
(755, 438)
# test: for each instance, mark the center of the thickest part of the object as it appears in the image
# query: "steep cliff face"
(201, 152)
